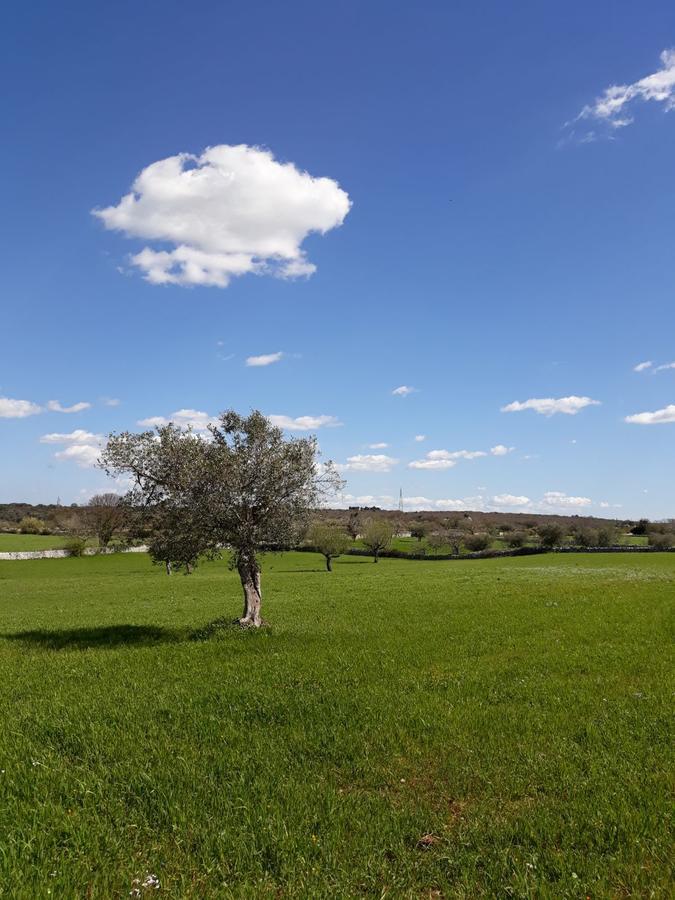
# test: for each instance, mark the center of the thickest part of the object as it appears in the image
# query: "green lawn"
(495, 728)
(11, 542)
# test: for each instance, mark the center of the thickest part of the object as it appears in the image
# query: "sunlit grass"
(478, 728)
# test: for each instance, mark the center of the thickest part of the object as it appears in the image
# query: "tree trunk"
(188, 568)
(375, 556)
(168, 567)
(329, 564)
(249, 573)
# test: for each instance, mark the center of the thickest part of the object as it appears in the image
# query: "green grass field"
(495, 728)
(11, 542)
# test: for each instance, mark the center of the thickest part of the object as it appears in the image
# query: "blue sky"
(507, 237)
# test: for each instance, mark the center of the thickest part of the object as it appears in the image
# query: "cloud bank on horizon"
(230, 211)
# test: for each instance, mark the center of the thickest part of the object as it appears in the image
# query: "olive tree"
(418, 530)
(476, 543)
(104, 515)
(550, 534)
(329, 540)
(377, 535)
(176, 541)
(354, 524)
(242, 485)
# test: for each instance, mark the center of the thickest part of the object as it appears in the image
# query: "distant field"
(10, 542)
(493, 728)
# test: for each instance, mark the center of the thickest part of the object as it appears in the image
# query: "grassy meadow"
(495, 728)
(12, 542)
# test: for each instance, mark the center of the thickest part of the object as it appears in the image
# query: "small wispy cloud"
(266, 359)
(304, 423)
(446, 459)
(404, 390)
(20, 409)
(55, 406)
(79, 436)
(420, 437)
(381, 445)
(549, 406)
(185, 418)
(612, 110)
(501, 450)
(643, 366)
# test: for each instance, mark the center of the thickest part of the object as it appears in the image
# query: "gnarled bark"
(249, 573)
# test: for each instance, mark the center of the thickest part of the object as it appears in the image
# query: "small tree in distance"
(177, 541)
(476, 543)
(377, 535)
(31, 525)
(515, 539)
(329, 540)
(104, 516)
(354, 524)
(418, 530)
(550, 534)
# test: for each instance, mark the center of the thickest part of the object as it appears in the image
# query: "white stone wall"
(61, 554)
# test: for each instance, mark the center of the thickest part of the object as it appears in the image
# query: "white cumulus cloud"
(549, 406)
(266, 359)
(658, 417)
(80, 446)
(17, 409)
(227, 212)
(432, 462)
(84, 455)
(510, 500)
(562, 500)
(501, 450)
(369, 462)
(79, 436)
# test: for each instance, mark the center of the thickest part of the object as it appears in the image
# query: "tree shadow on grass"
(103, 637)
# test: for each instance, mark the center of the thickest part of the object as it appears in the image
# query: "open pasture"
(406, 729)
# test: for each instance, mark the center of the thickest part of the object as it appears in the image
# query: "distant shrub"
(661, 541)
(75, 545)
(377, 535)
(550, 534)
(584, 537)
(32, 525)
(607, 536)
(642, 527)
(515, 539)
(476, 543)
